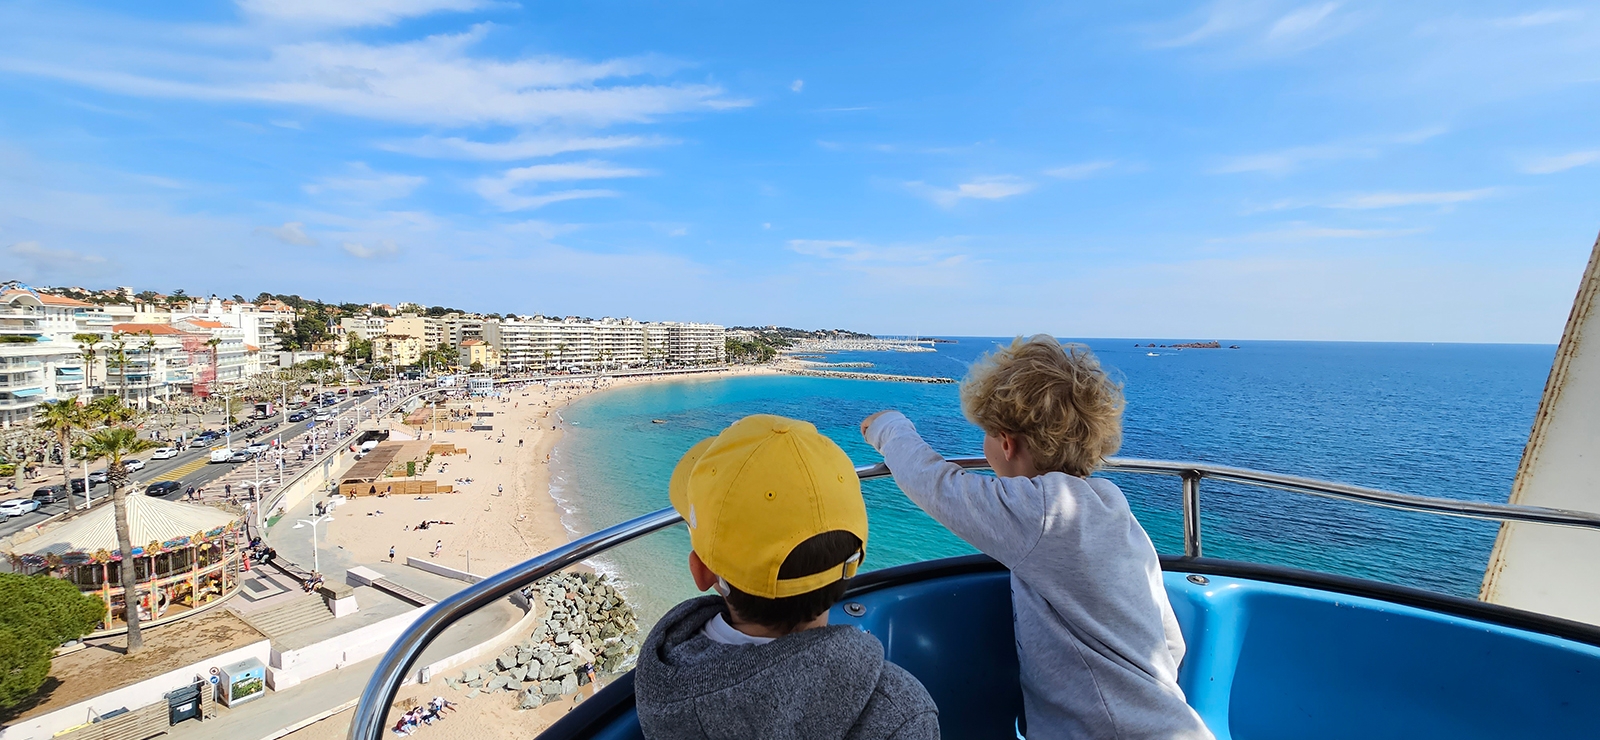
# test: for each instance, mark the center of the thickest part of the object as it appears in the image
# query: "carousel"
(190, 561)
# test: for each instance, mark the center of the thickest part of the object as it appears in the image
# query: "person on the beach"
(391, 553)
(437, 547)
(1097, 642)
(777, 534)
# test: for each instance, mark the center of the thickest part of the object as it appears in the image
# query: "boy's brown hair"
(1054, 397)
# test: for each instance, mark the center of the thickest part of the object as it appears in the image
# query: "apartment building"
(40, 360)
(161, 361)
(364, 327)
(257, 324)
(480, 352)
(397, 349)
(230, 361)
(572, 344)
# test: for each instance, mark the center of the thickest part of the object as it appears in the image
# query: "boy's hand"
(867, 422)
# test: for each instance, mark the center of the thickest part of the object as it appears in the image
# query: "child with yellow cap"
(778, 526)
(1097, 642)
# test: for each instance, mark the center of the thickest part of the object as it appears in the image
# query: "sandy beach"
(501, 513)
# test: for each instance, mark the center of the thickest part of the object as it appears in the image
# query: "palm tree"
(148, 347)
(117, 356)
(61, 418)
(215, 368)
(115, 443)
(86, 343)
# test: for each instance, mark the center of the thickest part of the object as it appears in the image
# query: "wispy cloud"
(982, 188)
(797, 85)
(1560, 162)
(1301, 21)
(1539, 18)
(437, 80)
(1299, 232)
(502, 190)
(365, 184)
(1396, 200)
(378, 249)
(292, 232)
(526, 146)
(1288, 160)
(1082, 170)
(351, 13)
(35, 261)
(1259, 27)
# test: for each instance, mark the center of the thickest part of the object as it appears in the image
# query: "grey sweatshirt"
(830, 682)
(1097, 641)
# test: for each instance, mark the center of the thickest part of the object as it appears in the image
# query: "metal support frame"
(371, 711)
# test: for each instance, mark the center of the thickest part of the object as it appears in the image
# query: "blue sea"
(1446, 420)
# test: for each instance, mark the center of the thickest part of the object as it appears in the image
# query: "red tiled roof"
(205, 323)
(47, 299)
(251, 348)
(162, 329)
(472, 342)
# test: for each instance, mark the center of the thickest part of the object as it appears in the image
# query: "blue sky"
(1422, 171)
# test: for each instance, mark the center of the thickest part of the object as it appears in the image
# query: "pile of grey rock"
(586, 621)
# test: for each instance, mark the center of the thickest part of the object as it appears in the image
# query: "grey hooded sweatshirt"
(830, 682)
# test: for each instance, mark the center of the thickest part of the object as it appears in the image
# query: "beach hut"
(189, 558)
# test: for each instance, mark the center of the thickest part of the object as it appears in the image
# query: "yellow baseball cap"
(760, 488)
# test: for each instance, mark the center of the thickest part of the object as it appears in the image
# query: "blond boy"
(1097, 641)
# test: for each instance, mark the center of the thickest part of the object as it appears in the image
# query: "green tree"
(86, 343)
(61, 418)
(477, 367)
(38, 613)
(114, 443)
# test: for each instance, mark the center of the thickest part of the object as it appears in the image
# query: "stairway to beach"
(298, 614)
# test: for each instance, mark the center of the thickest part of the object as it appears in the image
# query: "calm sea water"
(1444, 420)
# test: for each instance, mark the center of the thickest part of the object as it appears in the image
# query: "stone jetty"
(800, 370)
(587, 621)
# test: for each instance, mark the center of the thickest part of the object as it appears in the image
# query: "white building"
(230, 357)
(572, 344)
(364, 327)
(257, 324)
(41, 358)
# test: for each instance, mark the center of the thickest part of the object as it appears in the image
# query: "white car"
(165, 453)
(133, 464)
(18, 507)
(323, 416)
(256, 448)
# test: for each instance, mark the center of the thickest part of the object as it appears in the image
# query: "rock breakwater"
(587, 623)
(864, 376)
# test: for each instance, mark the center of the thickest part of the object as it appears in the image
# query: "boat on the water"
(1273, 651)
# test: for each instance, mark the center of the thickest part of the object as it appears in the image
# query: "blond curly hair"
(1055, 397)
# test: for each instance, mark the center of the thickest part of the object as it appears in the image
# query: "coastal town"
(288, 484)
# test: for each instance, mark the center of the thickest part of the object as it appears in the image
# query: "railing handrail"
(370, 712)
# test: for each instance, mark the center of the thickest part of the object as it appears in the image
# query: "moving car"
(98, 477)
(18, 507)
(323, 416)
(165, 453)
(239, 456)
(77, 484)
(133, 464)
(297, 416)
(200, 442)
(162, 488)
(221, 455)
(257, 448)
(49, 494)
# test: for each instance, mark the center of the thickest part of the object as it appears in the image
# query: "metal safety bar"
(371, 711)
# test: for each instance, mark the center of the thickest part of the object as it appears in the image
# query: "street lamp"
(316, 562)
(255, 494)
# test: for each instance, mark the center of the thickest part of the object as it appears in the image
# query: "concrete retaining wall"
(290, 667)
(442, 570)
(144, 693)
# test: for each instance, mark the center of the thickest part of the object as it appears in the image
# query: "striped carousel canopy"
(149, 520)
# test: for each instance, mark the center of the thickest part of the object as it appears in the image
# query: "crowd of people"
(423, 714)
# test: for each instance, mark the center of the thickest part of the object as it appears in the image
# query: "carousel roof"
(149, 520)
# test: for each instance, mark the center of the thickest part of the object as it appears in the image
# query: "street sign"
(311, 425)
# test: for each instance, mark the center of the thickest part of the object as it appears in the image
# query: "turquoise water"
(1438, 420)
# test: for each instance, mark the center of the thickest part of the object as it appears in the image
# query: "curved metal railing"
(371, 711)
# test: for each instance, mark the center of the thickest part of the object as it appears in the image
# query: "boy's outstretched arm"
(1003, 517)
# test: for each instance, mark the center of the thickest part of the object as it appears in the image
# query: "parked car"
(162, 488)
(343, 391)
(165, 453)
(48, 494)
(133, 464)
(17, 507)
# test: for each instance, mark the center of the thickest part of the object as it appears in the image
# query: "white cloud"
(982, 188)
(501, 190)
(1396, 200)
(367, 185)
(1539, 18)
(1080, 171)
(295, 125)
(37, 262)
(1288, 160)
(379, 248)
(292, 232)
(1302, 20)
(351, 13)
(1561, 162)
(797, 85)
(1308, 232)
(522, 147)
(436, 80)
